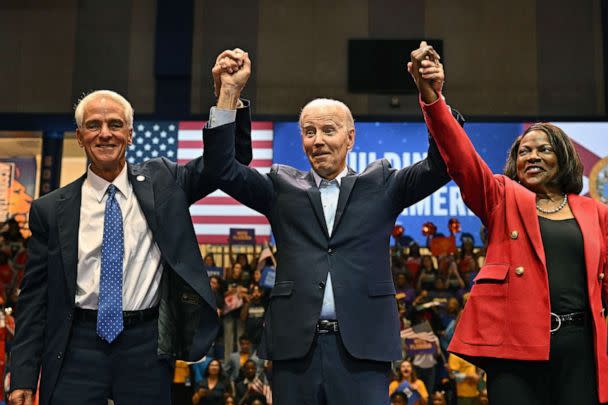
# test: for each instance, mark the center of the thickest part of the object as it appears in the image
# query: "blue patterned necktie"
(109, 315)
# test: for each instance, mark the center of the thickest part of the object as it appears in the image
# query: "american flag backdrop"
(214, 215)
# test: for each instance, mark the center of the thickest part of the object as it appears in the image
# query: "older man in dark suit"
(332, 326)
(115, 287)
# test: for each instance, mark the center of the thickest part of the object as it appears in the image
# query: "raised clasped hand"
(426, 70)
(231, 70)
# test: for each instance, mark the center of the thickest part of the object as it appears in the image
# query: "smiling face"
(537, 164)
(545, 160)
(105, 135)
(327, 135)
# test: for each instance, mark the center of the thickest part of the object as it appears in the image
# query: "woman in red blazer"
(535, 319)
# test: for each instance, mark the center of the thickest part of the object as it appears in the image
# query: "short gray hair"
(328, 102)
(79, 110)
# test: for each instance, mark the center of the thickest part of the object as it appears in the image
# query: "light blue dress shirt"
(219, 117)
(330, 191)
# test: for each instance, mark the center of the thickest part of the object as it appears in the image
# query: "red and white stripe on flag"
(214, 215)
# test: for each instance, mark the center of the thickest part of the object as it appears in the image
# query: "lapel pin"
(141, 178)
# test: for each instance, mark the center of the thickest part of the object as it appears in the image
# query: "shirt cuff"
(218, 117)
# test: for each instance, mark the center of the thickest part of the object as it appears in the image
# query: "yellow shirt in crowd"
(465, 388)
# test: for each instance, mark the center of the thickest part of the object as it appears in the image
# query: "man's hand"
(233, 69)
(21, 397)
(228, 61)
(427, 72)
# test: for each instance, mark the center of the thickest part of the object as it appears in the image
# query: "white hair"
(331, 102)
(127, 108)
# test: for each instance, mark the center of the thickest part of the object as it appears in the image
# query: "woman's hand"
(427, 72)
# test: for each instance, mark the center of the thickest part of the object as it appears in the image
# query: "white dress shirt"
(142, 268)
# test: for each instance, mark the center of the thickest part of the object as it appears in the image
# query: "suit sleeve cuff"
(23, 379)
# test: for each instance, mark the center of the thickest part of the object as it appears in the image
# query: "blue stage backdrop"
(403, 144)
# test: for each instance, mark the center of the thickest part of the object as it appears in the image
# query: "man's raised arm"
(247, 185)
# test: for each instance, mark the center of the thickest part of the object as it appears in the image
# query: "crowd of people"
(232, 373)
(13, 254)
(430, 291)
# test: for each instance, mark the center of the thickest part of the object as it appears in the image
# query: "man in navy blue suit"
(332, 326)
(115, 287)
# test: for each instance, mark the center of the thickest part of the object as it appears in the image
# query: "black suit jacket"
(356, 253)
(188, 321)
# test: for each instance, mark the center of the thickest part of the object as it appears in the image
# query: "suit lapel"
(68, 222)
(526, 205)
(315, 200)
(585, 213)
(142, 187)
(346, 186)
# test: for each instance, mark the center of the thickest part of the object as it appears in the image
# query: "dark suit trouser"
(568, 378)
(328, 375)
(127, 370)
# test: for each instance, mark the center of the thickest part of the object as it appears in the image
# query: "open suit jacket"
(356, 253)
(507, 314)
(187, 322)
